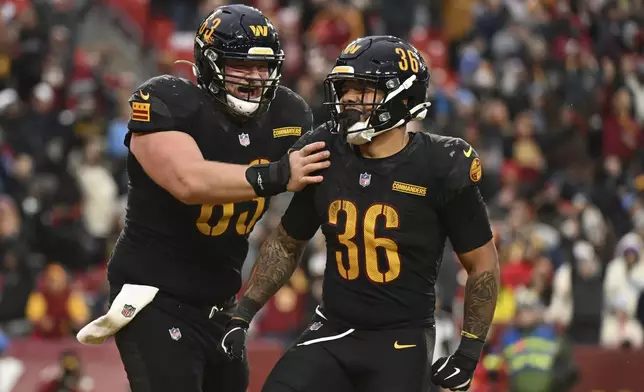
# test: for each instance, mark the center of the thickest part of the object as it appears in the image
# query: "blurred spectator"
(335, 25)
(623, 283)
(33, 44)
(56, 309)
(577, 291)
(11, 369)
(531, 353)
(622, 134)
(16, 282)
(99, 192)
(66, 376)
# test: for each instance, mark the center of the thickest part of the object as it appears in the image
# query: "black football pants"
(327, 359)
(172, 347)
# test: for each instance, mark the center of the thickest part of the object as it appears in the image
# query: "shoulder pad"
(320, 134)
(163, 103)
(456, 162)
(291, 105)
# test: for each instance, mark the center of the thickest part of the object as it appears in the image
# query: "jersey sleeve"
(461, 165)
(462, 210)
(163, 103)
(300, 220)
(465, 220)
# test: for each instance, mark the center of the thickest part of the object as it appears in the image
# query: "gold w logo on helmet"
(259, 31)
(351, 49)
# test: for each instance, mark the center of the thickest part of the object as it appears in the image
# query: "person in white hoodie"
(624, 281)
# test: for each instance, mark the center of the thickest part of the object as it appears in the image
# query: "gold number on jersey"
(350, 269)
(243, 226)
(407, 60)
(211, 31)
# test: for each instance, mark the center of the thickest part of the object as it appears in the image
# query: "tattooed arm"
(457, 371)
(481, 290)
(278, 259)
(280, 254)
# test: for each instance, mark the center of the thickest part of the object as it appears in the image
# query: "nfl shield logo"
(315, 326)
(244, 139)
(175, 334)
(365, 179)
(128, 311)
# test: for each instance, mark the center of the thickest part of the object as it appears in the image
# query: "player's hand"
(233, 344)
(454, 372)
(305, 161)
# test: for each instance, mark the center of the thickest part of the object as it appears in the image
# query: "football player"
(200, 178)
(388, 203)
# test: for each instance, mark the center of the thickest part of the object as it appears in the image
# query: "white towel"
(127, 304)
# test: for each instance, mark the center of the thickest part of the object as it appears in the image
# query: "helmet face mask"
(357, 105)
(238, 59)
(386, 80)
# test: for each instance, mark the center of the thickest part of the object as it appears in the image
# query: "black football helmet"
(238, 32)
(388, 64)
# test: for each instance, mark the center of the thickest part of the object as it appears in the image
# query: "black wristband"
(269, 179)
(246, 309)
(471, 347)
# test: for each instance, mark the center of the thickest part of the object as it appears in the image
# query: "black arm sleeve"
(300, 221)
(464, 217)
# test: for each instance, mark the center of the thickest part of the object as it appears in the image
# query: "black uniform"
(385, 222)
(192, 253)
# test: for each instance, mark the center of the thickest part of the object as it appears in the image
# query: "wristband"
(471, 347)
(269, 179)
(246, 309)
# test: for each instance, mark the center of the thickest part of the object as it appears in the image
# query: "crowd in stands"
(549, 92)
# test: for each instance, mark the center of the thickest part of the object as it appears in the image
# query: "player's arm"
(159, 138)
(173, 160)
(469, 231)
(278, 258)
(280, 254)
(463, 215)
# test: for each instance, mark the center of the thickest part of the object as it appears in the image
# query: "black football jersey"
(386, 222)
(196, 252)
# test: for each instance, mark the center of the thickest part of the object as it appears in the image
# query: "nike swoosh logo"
(456, 370)
(468, 152)
(147, 96)
(402, 346)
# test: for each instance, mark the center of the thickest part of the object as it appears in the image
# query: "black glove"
(454, 372)
(233, 344)
(270, 179)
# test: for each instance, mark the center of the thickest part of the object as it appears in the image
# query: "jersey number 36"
(350, 269)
